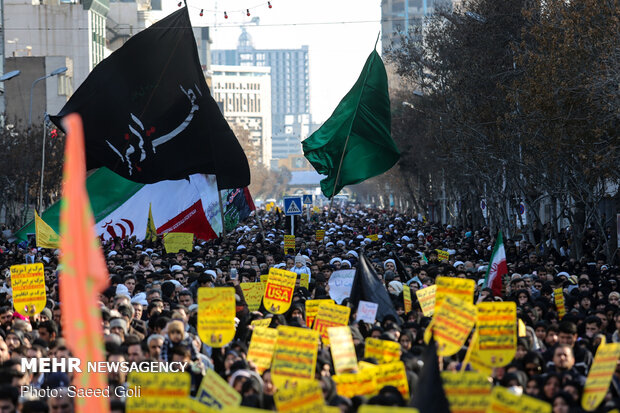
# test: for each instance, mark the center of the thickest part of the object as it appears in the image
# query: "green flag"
(357, 134)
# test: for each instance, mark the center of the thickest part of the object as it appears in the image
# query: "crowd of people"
(149, 311)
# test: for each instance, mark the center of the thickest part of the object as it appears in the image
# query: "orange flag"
(84, 274)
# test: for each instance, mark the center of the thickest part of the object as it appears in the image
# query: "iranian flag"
(497, 267)
(121, 207)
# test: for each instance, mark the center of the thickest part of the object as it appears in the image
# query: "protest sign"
(467, 392)
(451, 325)
(320, 234)
(558, 297)
(159, 392)
(28, 285)
(497, 336)
(340, 284)
(407, 298)
(473, 359)
(295, 355)
(393, 374)
(330, 315)
(177, 241)
(342, 349)
(367, 312)
(304, 280)
(443, 255)
(368, 408)
(600, 375)
(253, 294)
(312, 308)
(373, 237)
(216, 315)
(264, 322)
(279, 290)
(462, 288)
(262, 346)
(362, 383)
(306, 397)
(426, 298)
(384, 351)
(503, 401)
(289, 244)
(215, 392)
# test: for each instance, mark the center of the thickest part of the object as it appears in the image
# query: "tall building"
(290, 93)
(244, 95)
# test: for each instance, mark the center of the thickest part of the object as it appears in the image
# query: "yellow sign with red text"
(497, 335)
(28, 286)
(279, 290)
(216, 315)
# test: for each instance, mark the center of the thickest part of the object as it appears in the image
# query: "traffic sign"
(307, 199)
(292, 205)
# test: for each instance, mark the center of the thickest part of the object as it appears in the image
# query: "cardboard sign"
(462, 288)
(216, 315)
(289, 243)
(362, 383)
(426, 298)
(306, 397)
(558, 297)
(265, 322)
(368, 408)
(330, 315)
(443, 255)
(177, 241)
(253, 294)
(497, 335)
(340, 284)
(367, 312)
(320, 235)
(215, 392)
(159, 392)
(295, 355)
(342, 349)
(28, 285)
(599, 377)
(262, 346)
(279, 290)
(407, 298)
(304, 280)
(384, 351)
(312, 308)
(503, 401)
(473, 359)
(451, 325)
(467, 392)
(393, 374)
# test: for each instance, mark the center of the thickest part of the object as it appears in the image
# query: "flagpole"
(219, 197)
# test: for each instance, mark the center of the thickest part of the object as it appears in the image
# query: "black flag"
(148, 113)
(430, 396)
(368, 287)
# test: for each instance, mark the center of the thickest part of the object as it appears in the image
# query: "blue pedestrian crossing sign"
(292, 205)
(307, 199)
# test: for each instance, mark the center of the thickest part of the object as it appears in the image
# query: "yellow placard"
(215, 392)
(373, 237)
(467, 392)
(253, 294)
(28, 284)
(264, 278)
(371, 408)
(295, 355)
(362, 383)
(407, 298)
(462, 288)
(473, 359)
(497, 335)
(426, 298)
(330, 315)
(443, 255)
(264, 322)
(558, 297)
(599, 377)
(306, 397)
(289, 243)
(279, 290)
(521, 331)
(320, 235)
(393, 374)
(177, 241)
(451, 325)
(342, 349)
(216, 315)
(503, 401)
(240, 409)
(384, 351)
(312, 308)
(159, 392)
(304, 280)
(262, 346)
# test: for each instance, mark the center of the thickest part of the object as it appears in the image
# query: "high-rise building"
(244, 95)
(290, 93)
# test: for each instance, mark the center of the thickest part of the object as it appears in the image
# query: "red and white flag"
(497, 267)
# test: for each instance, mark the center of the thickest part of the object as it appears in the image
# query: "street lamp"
(56, 72)
(9, 75)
